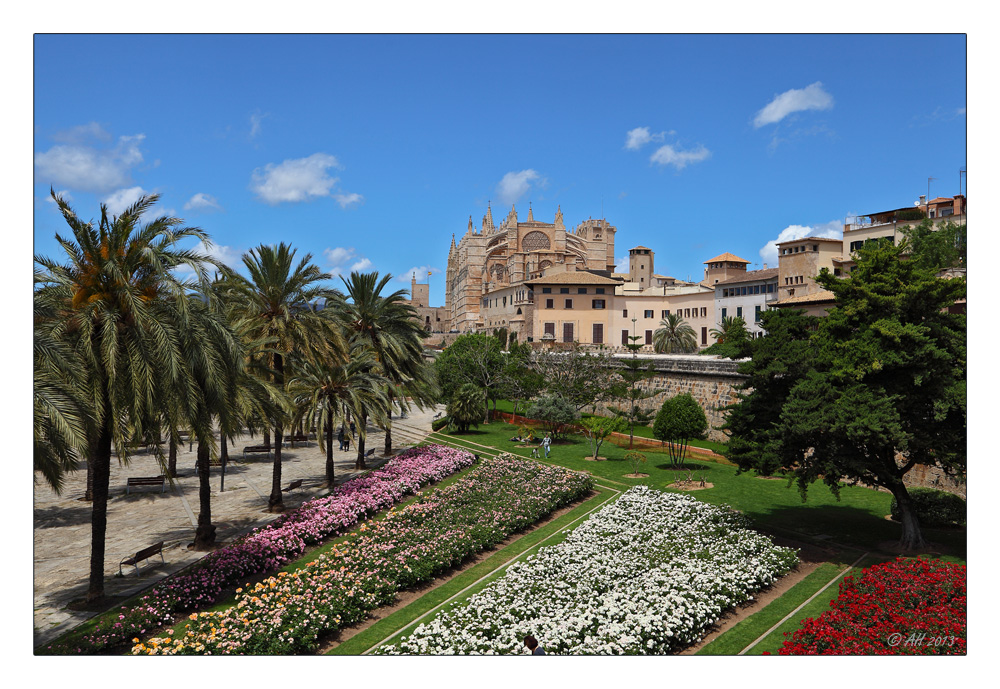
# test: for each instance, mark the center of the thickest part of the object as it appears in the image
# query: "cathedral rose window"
(535, 241)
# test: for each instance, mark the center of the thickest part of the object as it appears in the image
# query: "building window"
(567, 332)
(598, 303)
(723, 313)
(624, 338)
(704, 335)
(549, 304)
(546, 290)
(756, 289)
(739, 312)
(649, 337)
(704, 312)
(624, 313)
(687, 313)
(564, 290)
(581, 290)
(815, 247)
(725, 292)
(569, 303)
(857, 245)
(550, 329)
(598, 333)
(598, 290)
(756, 314)
(664, 313)
(648, 313)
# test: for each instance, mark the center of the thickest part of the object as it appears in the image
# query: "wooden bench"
(143, 554)
(437, 416)
(298, 438)
(256, 450)
(369, 453)
(297, 483)
(137, 481)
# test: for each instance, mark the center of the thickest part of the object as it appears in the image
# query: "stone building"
(433, 318)
(488, 267)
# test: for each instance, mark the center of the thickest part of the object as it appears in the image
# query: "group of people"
(546, 444)
(345, 440)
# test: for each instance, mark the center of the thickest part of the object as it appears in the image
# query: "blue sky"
(370, 151)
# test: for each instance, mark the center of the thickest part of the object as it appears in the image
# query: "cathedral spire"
(470, 223)
(488, 218)
(531, 217)
(559, 217)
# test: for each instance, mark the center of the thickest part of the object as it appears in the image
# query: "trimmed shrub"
(438, 424)
(934, 507)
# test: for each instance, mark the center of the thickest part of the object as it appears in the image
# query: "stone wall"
(710, 381)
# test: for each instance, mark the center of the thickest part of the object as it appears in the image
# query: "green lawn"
(856, 520)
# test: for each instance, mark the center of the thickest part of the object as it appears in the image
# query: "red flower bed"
(906, 607)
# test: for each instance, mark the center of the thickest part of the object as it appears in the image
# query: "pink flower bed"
(267, 548)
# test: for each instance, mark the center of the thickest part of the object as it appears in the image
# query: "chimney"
(765, 267)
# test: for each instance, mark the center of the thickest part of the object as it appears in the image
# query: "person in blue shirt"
(532, 644)
(547, 443)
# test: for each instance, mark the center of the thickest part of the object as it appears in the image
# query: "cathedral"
(499, 257)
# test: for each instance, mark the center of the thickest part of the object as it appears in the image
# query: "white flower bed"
(647, 574)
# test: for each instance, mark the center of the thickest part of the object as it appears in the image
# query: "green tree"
(121, 308)
(324, 391)
(599, 428)
(579, 377)
(465, 407)
(886, 389)
(679, 420)
(554, 412)
(628, 391)
(674, 336)
(280, 301)
(522, 381)
(390, 328)
(475, 358)
(936, 248)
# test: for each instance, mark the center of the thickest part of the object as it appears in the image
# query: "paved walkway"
(144, 517)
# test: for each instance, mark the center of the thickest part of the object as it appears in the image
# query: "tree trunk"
(275, 502)
(912, 538)
(223, 448)
(204, 536)
(388, 440)
(330, 478)
(88, 494)
(101, 470)
(172, 457)
(362, 426)
(267, 437)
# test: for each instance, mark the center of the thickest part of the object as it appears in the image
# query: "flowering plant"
(647, 574)
(269, 547)
(905, 607)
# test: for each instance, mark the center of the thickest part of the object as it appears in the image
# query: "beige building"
(486, 264)
(433, 318)
(571, 306)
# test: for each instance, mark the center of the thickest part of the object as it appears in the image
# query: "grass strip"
(406, 619)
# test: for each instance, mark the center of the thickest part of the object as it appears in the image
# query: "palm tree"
(324, 391)
(119, 304)
(733, 329)
(280, 302)
(674, 336)
(389, 326)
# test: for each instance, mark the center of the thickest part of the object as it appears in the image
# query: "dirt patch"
(932, 549)
(403, 598)
(599, 459)
(692, 486)
(773, 478)
(636, 475)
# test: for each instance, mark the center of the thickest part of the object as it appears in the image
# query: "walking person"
(532, 644)
(547, 444)
(340, 437)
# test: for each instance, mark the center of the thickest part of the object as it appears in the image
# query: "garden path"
(62, 522)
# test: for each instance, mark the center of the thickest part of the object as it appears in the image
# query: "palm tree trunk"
(204, 536)
(224, 449)
(100, 463)
(362, 425)
(388, 440)
(275, 502)
(267, 437)
(172, 457)
(331, 480)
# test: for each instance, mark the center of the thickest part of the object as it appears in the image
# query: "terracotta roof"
(640, 247)
(750, 276)
(812, 239)
(727, 257)
(820, 297)
(572, 277)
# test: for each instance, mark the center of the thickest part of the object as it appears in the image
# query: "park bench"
(256, 450)
(137, 481)
(297, 438)
(297, 483)
(143, 554)
(437, 416)
(369, 453)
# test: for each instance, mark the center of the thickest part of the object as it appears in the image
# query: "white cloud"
(514, 185)
(621, 265)
(668, 155)
(202, 201)
(420, 272)
(81, 133)
(226, 255)
(86, 168)
(345, 260)
(812, 97)
(640, 136)
(255, 120)
(769, 252)
(299, 179)
(122, 199)
(346, 200)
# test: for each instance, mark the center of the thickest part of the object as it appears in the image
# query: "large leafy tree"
(937, 247)
(629, 392)
(389, 327)
(582, 378)
(885, 391)
(280, 299)
(475, 358)
(674, 336)
(679, 420)
(118, 304)
(324, 391)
